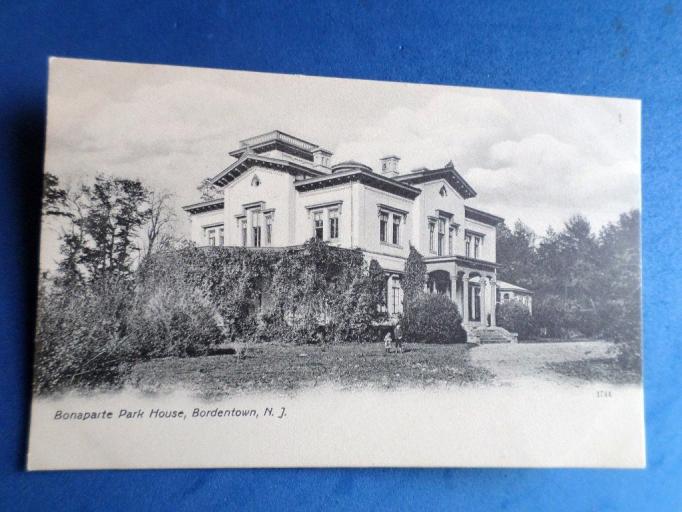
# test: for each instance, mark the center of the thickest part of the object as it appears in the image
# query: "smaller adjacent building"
(507, 292)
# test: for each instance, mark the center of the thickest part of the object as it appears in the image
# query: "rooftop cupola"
(389, 166)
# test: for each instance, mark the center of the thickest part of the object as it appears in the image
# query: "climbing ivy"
(304, 294)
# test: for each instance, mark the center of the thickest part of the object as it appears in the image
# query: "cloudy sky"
(530, 156)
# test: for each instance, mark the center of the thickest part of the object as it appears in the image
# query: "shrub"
(515, 317)
(173, 321)
(432, 319)
(81, 338)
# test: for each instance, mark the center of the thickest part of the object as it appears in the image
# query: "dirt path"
(514, 363)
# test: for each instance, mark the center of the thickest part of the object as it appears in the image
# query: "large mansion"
(282, 190)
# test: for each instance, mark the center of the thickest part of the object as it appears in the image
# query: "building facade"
(282, 190)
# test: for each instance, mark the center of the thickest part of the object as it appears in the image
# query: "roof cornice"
(205, 206)
(365, 177)
(448, 173)
(481, 216)
(245, 162)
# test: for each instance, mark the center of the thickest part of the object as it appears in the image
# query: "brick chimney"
(389, 166)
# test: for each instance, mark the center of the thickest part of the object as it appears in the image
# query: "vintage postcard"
(257, 270)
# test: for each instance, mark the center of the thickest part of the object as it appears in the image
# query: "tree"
(620, 286)
(208, 190)
(516, 254)
(159, 228)
(54, 197)
(414, 280)
(101, 226)
(116, 210)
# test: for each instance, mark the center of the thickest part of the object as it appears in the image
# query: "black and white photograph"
(243, 269)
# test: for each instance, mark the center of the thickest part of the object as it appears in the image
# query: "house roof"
(448, 173)
(350, 164)
(248, 159)
(205, 206)
(505, 286)
(361, 174)
(481, 216)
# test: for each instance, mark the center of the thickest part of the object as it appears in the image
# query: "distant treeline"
(584, 284)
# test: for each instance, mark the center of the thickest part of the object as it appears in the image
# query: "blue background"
(598, 48)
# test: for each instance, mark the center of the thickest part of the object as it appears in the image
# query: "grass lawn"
(288, 367)
(566, 362)
(597, 370)
(279, 367)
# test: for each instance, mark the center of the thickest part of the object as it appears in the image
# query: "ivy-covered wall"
(304, 294)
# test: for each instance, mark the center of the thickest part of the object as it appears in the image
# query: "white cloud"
(543, 181)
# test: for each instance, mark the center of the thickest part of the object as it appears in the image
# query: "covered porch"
(471, 284)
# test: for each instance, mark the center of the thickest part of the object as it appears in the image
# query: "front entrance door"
(474, 303)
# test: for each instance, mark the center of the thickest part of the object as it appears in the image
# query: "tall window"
(268, 229)
(472, 246)
(318, 226)
(397, 220)
(432, 236)
(211, 237)
(244, 232)
(451, 240)
(383, 227)
(395, 295)
(334, 224)
(441, 236)
(221, 236)
(256, 228)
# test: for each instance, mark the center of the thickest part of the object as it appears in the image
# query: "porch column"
(493, 301)
(453, 288)
(465, 299)
(484, 287)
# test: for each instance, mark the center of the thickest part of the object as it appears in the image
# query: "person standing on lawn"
(398, 337)
(388, 339)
